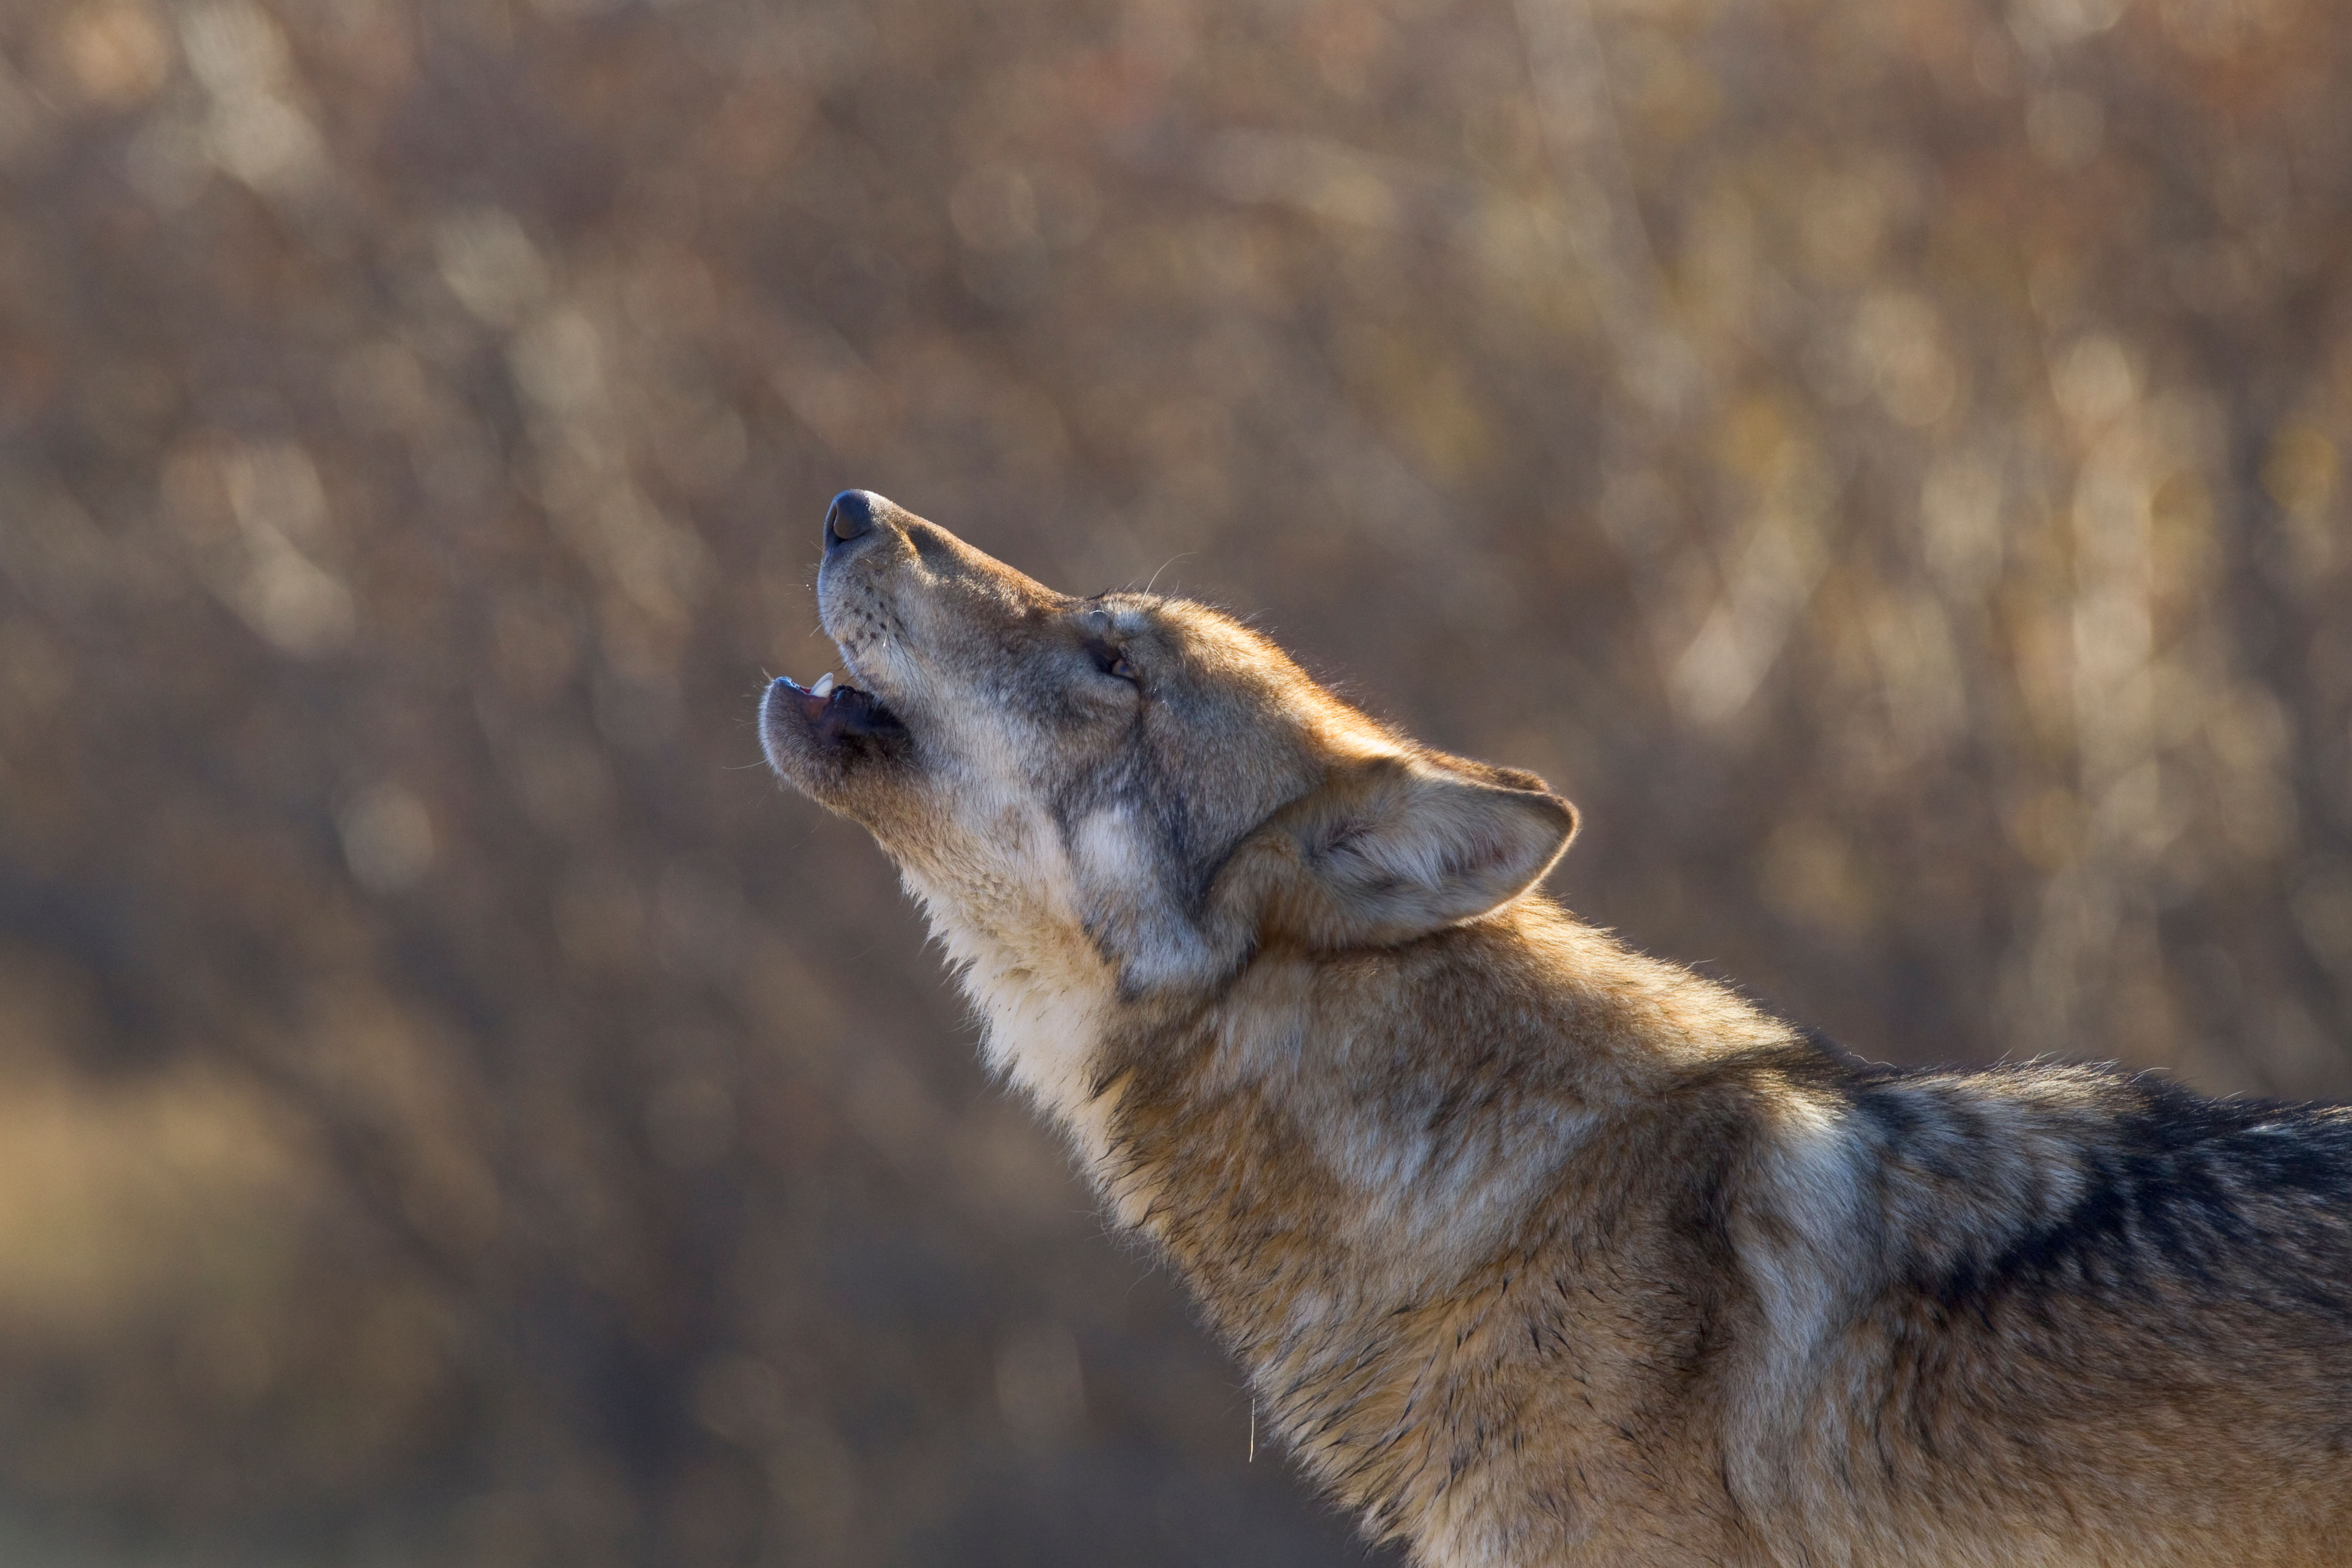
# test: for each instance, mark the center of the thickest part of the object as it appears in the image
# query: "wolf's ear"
(1393, 848)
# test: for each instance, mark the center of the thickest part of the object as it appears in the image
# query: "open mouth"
(835, 712)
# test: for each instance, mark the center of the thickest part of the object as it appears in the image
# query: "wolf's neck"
(1410, 1109)
(1044, 997)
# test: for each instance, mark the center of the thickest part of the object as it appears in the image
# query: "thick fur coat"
(1538, 1251)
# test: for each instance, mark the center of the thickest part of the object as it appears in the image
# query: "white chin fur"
(1043, 992)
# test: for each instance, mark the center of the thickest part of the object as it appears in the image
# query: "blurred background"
(1885, 461)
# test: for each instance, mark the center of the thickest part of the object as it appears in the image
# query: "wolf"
(1538, 1251)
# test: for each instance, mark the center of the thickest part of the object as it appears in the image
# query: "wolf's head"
(1141, 777)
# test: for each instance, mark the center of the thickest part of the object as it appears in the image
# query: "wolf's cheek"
(1133, 905)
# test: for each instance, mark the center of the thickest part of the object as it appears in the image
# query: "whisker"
(1167, 563)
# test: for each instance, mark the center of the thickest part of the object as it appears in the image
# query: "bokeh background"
(1884, 460)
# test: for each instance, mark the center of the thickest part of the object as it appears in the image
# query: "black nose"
(850, 515)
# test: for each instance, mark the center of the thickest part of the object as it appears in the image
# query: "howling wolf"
(1538, 1251)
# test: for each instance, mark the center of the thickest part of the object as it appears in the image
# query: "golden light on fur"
(1539, 1251)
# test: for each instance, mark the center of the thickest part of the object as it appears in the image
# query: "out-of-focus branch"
(1568, 74)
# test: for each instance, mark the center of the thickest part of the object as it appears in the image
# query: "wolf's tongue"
(817, 701)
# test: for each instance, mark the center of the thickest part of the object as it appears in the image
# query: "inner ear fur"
(1390, 848)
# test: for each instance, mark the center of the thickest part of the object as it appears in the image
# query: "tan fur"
(1539, 1251)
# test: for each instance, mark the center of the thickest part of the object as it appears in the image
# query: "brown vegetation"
(1883, 462)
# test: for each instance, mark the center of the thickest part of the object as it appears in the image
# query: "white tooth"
(824, 687)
